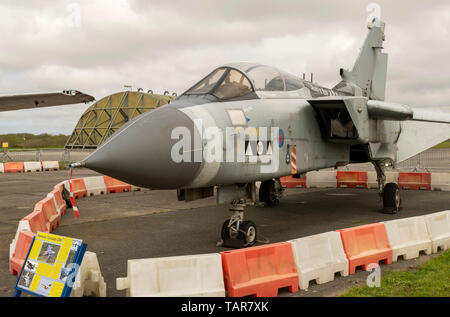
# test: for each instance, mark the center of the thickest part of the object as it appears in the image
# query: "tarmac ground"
(150, 224)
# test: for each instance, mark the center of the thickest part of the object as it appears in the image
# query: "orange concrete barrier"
(22, 247)
(291, 182)
(414, 181)
(116, 186)
(351, 179)
(364, 245)
(260, 271)
(59, 200)
(78, 188)
(48, 207)
(13, 167)
(38, 221)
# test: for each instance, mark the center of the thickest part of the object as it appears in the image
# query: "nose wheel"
(237, 233)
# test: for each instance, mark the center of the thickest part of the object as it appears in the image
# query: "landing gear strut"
(389, 193)
(237, 233)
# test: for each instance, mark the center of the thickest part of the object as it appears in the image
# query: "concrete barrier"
(13, 167)
(20, 253)
(351, 179)
(391, 177)
(24, 225)
(116, 186)
(438, 226)
(260, 271)
(89, 280)
(291, 182)
(414, 181)
(365, 245)
(440, 181)
(408, 237)
(183, 276)
(95, 185)
(2, 169)
(59, 202)
(319, 257)
(32, 166)
(50, 165)
(48, 207)
(78, 188)
(321, 179)
(37, 221)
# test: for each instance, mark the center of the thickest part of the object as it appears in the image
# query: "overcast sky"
(98, 46)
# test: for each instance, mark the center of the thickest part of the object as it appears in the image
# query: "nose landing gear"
(237, 233)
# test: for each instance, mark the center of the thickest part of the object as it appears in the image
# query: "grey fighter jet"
(247, 122)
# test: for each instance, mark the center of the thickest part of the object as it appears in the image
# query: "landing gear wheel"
(229, 232)
(247, 232)
(391, 198)
(267, 193)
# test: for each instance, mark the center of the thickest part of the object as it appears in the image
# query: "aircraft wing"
(40, 100)
(391, 111)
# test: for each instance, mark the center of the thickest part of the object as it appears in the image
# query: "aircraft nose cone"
(139, 153)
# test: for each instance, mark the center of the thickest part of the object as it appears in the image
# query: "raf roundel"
(281, 139)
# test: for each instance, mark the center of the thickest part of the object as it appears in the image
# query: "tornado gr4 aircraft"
(246, 122)
(41, 100)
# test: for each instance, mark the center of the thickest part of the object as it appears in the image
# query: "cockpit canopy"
(241, 80)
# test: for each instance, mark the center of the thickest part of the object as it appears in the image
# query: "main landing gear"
(389, 193)
(270, 192)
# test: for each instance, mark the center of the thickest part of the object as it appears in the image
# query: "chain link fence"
(62, 155)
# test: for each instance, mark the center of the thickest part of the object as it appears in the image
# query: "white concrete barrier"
(95, 185)
(136, 188)
(183, 276)
(408, 237)
(32, 166)
(440, 181)
(319, 257)
(438, 226)
(391, 177)
(2, 168)
(321, 179)
(89, 280)
(24, 225)
(50, 165)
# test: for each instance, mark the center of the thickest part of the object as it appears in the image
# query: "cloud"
(170, 45)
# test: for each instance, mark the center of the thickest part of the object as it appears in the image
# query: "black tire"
(248, 233)
(267, 193)
(225, 232)
(391, 199)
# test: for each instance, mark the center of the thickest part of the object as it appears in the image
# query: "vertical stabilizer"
(368, 76)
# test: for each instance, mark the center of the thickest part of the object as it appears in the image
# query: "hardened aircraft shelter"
(107, 115)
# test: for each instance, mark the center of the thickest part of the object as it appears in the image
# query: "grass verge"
(445, 145)
(430, 280)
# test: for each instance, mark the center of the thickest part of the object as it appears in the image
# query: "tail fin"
(368, 77)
